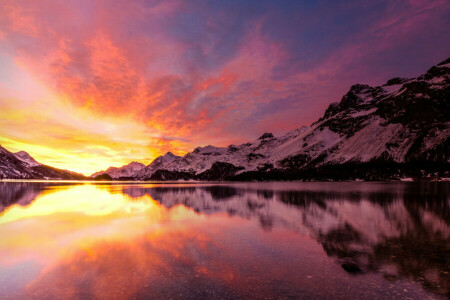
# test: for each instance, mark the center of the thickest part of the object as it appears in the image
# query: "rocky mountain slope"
(399, 129)
(21, 165)
(127, 171)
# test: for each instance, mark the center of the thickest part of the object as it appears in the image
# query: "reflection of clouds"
(206, 258)
(70, 216)
(137, 267)
(118, 270)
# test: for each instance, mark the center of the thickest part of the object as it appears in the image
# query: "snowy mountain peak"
(128, 170)
(266, 135)
(167, 158)
(26, 158)
(21, 165)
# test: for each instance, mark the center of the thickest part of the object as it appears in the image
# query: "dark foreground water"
(224, 241)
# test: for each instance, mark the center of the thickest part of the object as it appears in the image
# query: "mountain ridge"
(21, 165)
(403, 123)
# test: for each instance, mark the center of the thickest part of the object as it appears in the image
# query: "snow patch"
(437, 80)
(407, 179)
(444, 66)
(392, 88)
(26, 158)
(369, 143)
(364, 113)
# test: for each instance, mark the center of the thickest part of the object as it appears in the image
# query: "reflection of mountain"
(18, 193)
(22, 193)
(398, 230)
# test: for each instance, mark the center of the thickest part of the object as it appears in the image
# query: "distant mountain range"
(398, 130)
(21, 165)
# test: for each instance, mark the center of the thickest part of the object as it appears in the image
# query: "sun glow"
(70, 137)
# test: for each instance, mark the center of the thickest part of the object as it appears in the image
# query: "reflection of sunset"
(94, 240)
(74, 216)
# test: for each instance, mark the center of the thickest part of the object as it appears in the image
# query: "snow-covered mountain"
(136, 169)
(21, 165)
(26, 158)
(126, 171)
(159, 163)
(403, 122)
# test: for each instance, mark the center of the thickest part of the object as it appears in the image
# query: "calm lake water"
(224, 241)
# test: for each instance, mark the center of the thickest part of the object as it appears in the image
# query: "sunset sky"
(86, 84)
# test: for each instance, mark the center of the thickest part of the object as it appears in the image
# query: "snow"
(392, 88)
(317, 140)
(249, 155)
(366, 97)
(370, 142)
(407, 179)
(399, 92)
(435, 137)
(364, 113)
(437, 80)
(129, 170)
(444, 66)
(26, 158)
(169, 157)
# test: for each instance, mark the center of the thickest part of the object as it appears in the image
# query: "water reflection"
(23, 193)
(18, 193)
(205, 240)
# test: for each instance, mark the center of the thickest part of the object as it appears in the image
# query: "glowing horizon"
(85, 85)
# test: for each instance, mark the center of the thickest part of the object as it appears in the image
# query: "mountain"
(26, 158)
(21, 165)
(158, 164)
(399, 129)
(124, 172)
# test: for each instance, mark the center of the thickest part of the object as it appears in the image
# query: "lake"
(285, 240)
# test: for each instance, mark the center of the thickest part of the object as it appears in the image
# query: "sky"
(86, 84)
